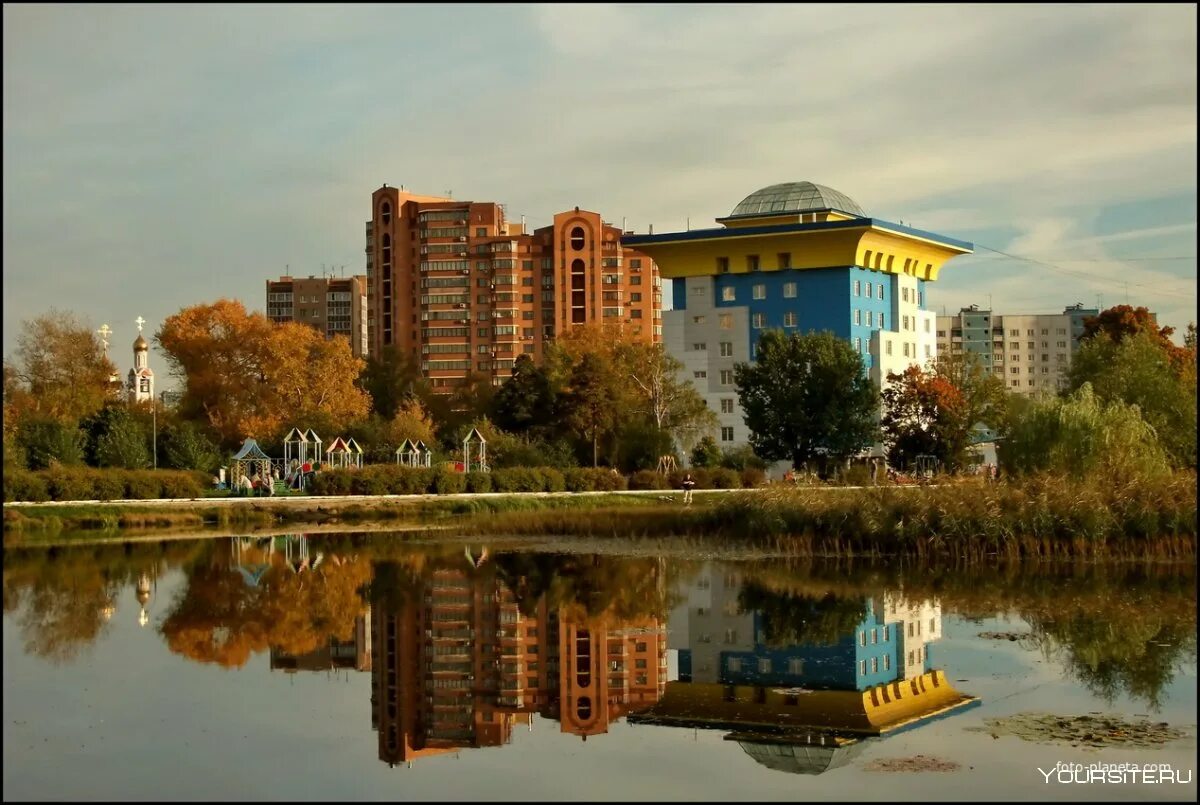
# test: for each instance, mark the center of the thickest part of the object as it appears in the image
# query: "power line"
(1060, 269)
(1106, 260)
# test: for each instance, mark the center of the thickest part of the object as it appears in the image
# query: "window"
(764, 665)
(932, 625)
(1014, 332)
(727, 434)
(701, 347)
(862, 637)
(795, 665)
(1028, 332)
(858, 317)
(870, 318)
(904, 294)
(904, 323)
(725, 320)
(888, 348)
(789, 290)
(726, 377)
(862, 667)
(785, 259)
(789, 319)
(1060, 344)
(700, 375)
(726, 349)
(758, 320)
(887, 662)
(879, 290)
(874, 665)
(759, 291)
(906, 349)
(911, 658)
(728, 294)
(735, 665)
(697, 320)
(1016, 370)
(881, 321)
(874, 636)
(928, 351)
(858, 345)
(857, 288)
(726, 405)
(927, 325)
(867, 290)
(752, 262)
(1015, 383)
(577, 238)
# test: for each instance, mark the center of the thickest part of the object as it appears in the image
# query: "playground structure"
(475, 440)
(666, 464)
(344, 454)
(250, 463)
(413, 454)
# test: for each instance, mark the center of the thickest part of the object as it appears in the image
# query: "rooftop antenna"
(623, 224)
(651, 229)
(689, 223)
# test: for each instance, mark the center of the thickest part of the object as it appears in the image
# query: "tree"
(1137, 371)
(60, 371)
(527, 400)
(187, 448)
(1123, 321)
(246, 376)
(123, 444)
(589, 402)
(673, 405)
(391, 378)
(47, 441)
(806, 396)
(924, 414)
(707, 453)
(1083, 436)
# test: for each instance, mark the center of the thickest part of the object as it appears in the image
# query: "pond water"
(370, 667)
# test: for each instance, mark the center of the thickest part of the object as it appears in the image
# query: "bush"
(142, 485)
(707, 453)
(108, 485)
(479, 482)
(753, 477)
(69, 483)
(857, 475)
(47, 442)
(648, 479)
(593, 479)
(742, 458)
(607, 480)
(518, 479)
(183, 484)
(725, 478)
(410, 480)
(329, 482)
(702, 477)
(187, 448)
(25, 485)
(374, 479)
(449, 482)
(554, 479)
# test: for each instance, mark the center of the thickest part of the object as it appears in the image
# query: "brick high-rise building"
(334, 305)
(464, 291)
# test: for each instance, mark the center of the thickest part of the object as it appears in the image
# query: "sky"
(157, 157)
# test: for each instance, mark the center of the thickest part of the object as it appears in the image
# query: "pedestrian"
(688, 485)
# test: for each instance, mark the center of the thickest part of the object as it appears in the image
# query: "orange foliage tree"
(246, 376)
(1124, 321)
(924, 414)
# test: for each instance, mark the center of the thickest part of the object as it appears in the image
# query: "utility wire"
(1053, 267)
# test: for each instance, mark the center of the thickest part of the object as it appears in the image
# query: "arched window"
(387, 249)
(583, 708)
(577, 238)
(385, 213)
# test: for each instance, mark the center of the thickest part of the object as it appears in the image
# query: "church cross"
(105, 332)
(139, 321)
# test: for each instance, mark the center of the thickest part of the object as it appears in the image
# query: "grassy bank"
(1040, 518)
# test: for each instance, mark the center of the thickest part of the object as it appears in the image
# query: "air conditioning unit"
(461, 221)
(466, 271)
(464, 321)
(461, 305)
(462, 238)
(462, 254)
(528, 338)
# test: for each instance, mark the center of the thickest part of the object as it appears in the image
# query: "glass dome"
(791, 197)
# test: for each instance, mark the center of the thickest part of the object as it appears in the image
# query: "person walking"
(688, 485)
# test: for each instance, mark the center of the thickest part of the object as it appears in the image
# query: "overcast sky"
(157, 157)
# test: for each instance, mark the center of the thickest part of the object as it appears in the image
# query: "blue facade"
(837, 667)
(679, 294)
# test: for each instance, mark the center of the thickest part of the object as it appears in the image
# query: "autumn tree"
(924, 414)
(60, 371)
(392, 378)
(673, 405)
(246, 376)
(806, 396)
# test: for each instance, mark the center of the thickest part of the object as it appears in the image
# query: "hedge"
(90, 483)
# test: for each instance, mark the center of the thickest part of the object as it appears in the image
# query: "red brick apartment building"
(464, 291)
(334, 305)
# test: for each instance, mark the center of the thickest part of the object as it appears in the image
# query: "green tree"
(392, 378)
(707, 453)
(123, 444)
(46, 441)
(806, 396)
(1136, 370)
(589, 401)
(527, 400)
(671, 404)
(1083, 436)
(186, 447)
(924, 414)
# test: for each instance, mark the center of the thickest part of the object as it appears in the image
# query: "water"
(355, 667)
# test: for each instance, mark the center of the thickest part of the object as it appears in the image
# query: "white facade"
(1030, 352)
(708, 621)
(140, 382)
(918, 624)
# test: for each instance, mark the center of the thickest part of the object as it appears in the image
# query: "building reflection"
(802, 698)
(456, 664)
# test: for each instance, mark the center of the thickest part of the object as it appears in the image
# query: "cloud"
(161, 156)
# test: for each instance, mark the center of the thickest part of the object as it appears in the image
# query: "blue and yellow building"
(799, 257)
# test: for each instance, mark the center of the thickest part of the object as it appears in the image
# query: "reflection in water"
(801, 681)
(800, 666)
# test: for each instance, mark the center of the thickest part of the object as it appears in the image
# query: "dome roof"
(791, 197)
(140, 343)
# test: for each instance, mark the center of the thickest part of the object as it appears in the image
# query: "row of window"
(858, 318)
(795, 664)
(859, 288)
(783, 260)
